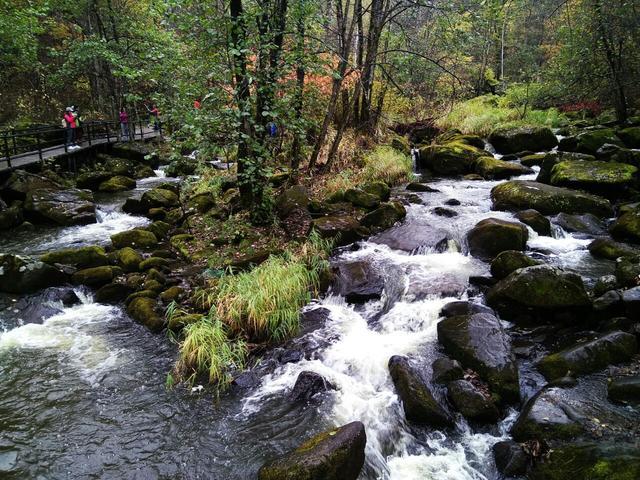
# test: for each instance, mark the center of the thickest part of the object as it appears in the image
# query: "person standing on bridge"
(70, 125)
(155, 114)
(124, 124)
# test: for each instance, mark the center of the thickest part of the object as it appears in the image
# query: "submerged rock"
(418, 400)
(21, 275)
(492, 236)
(336, 454)
(479, 342)
(588, 357)
(421, 187)
(472, 403)
(61, 207)
(547, 199)
(308, 384)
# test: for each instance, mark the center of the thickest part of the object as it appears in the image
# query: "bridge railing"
(20, 143)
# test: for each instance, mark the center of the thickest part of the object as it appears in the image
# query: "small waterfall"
(415, 157)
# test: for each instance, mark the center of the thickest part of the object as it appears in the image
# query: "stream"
(83, 392)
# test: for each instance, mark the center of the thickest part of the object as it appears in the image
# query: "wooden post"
(6, 150)
(106, 127)
(88, 124)
(39, 146)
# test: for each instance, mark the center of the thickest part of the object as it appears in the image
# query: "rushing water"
(83, 392)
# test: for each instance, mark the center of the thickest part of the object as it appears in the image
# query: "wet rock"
(547, 416)
(20, 183)
(145, 310)
(114, 292)
(627, 227)
(344, 229)
(384, 217)
(92, 180)
(493, 169)
(307, 385)
(137, 151)
(336, 454)
(159, 198)
(631, 302)
(588, 357)
(479, 342)
(586, 223)
(610, 249)
(134, 238)
(446, 370)
(418, 400)
(471, 402)
(534, 219)
(83, 257)
(61, 207)
(421, 187)
(590, 142)
(134, 206)
(49, 303)
(596, 176)
(604, 460)
(21, 275)
(118, 183)
(604, 284)
(540, 288)
(492, 236)
(508, 262)
(609, 303)
(511, 459)
(129, 259)
(628, 271)
(517, 140)
(454, 309)
(144, 172)
(159, 228)
(379, 189)
(624, 389)
(360, 198)
(547, 199)
(358, 282)
(453, 158)
(95, 276)
(410, 237)
(444, 212)
(452, 202)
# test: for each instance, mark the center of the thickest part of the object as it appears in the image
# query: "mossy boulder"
(630, 136)
(591, 141)
(588, 357)
(181, 167)
(534, 219)
(154, 262)
(538, 288)
(508, 262)
(202, 202)
(628, 271)
(627, 227)
(61, 207)
(83, 257)
(21, 182)
(535, 139)
(547, 199)
(479, 342)
(360, 198)
(145, 310)
(144, 171)
(493, 169)
(603, 460)
(343, 228)
(134, 238)
(418, 400)
(596, 176)
(129, 259)
(385, 216)
(181, 243)
(20, 275)
(610, 249)
(178, 322)
(471, 402)
(586, 223)
(291, 200)
(337, 454)
(114, 292)
(118, 183)
(492, 236)
(454, 158)
(92, 180)
(547, 416)
(95, 276)
(172, 294)
(159, 228)
(379, 189)
(159, 198)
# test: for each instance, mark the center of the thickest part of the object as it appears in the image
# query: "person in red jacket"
(70, 123)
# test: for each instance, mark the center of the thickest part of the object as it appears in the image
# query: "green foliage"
(388, 165)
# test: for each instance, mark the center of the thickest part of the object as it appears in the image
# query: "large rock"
(291, 200)
(159, 198)
(628, 271)
(599, 177)
(588, 357)
(26, 275)
(492, 236)
(336, 454)
(511, 459)
(129, 259)
(446, 370)
(91, 180)
(590, 142)
(627, 227)
(137, 151)
(454, 158)
(379, 189)
(342, 228)
(471, 402)
(83, 257)
(547, 199)
(385, 216)
(604, 460)
(20, 183)
(479, 342)
(586, 223)
(493, 169)
(118, 183)
(358, 282)
(534, 139)
(360, 198)
(540, 288)
(134, 238)
(95, 276)
(547, 416)
(307, 385)
(534, 219)
(418, 400)
(630, 136)
(610, 249)
(61, 207)
(412, 237)
(145, 310)
(508, 262)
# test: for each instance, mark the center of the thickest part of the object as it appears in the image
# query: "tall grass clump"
(208, 349)
(388, 165)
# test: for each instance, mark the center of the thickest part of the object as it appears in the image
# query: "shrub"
(388, 165)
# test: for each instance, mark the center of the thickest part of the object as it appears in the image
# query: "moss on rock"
(134, 238)
(144, 310)
(83, 257)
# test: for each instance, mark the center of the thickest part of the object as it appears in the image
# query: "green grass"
(481, 115)
(388, 165)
